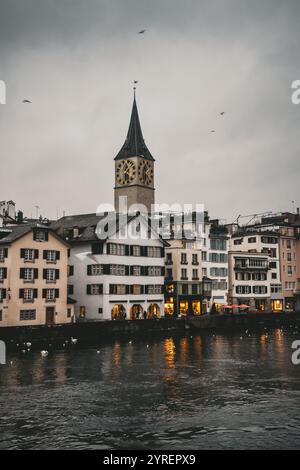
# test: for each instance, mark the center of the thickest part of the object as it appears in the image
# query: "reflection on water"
(179, 392)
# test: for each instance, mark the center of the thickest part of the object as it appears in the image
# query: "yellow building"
(33, 277)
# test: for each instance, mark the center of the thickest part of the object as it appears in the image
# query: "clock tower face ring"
(125, 172)
(145, 172)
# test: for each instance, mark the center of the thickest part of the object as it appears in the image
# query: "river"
(238, 391)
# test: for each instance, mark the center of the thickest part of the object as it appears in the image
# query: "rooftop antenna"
(293, 205)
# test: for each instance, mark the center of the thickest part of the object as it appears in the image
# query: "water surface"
(176, 392)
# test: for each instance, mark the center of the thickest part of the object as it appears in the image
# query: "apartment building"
(120, 275)
(251, 240)
(185, 289)
(215, 261)
(249, 280)
(33, 277)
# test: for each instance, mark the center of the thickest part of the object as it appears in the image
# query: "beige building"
(33, 277)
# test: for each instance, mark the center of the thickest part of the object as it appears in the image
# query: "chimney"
(20, 217)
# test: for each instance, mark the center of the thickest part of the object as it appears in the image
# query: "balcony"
(238, 267)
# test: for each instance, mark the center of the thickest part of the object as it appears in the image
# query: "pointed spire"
(134, 145)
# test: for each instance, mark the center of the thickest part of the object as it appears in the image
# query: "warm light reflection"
(184, 350)
(170, 353)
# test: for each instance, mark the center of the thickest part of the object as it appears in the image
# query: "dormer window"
(40, 235)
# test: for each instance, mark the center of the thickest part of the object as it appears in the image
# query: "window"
(243, 290)
(136, 270)
(204, 256)
(184, 274)
(289, 244)
(50, 294)
(117, 269)
(70, 289)
(154, 289)
(28, 274)
(40, 235)
(273, 265)
(136, 289)
(27, 315)
(169, 273)
(69, 313)
(269, 240)
(260, 290)
(3, 253)
(252, 240)
(154, 271)
(28, 295)
(185, 289)
(274, 276)
(51, 256)
(3, 274)
(259, 277)
(2, 294)
(136, 250)
(289, 256)
(218, 244)
(95, 269)
(116, 249)
(195, 258)
(195, 289)
(117, 289)
(0, 315)
(195, 274)
(169, 258)
(184, 258)
(290, 270)
(153, 252)
(238, 241)
(94, 289)
(28, 255)
(70, 270)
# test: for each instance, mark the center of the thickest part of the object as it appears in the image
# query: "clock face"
(126, 172)
(145, 172)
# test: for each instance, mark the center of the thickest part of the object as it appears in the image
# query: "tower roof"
(134, 145)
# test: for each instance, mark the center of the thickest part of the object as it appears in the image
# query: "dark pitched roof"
(11, 233)
(134, 145)
(87, 226)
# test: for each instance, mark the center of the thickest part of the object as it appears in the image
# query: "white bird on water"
(44, 353)
(74, 340)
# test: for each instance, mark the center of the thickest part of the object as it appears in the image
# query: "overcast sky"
(76, 60)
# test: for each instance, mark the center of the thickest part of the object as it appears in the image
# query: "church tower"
(134, 167)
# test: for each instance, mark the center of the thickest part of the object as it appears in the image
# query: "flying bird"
(135, 82)
(142, 31)
(222, 113)
(26, 101)
(212, 131)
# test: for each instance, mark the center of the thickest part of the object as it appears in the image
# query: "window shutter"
(58, 255)
(56, 293)
(57, 274)
(4, 293)
(36, 273)
(22, 270)
(146, 289)
(44, 273)
(44, 293)
(142, 289)
(35, 293)
(144, 250)
(89, 269)
(131, 270)
(45, 254)
(128, 289)
(69, 252)
(71, 270)
(162, 252)
(162, 271)
(131, 250)
(5, 252)
(22, 255)
(88, 289)
(36, 254)
(106, 269)
(4, 273)
(127, 270)
(21, 293)
(127, 250)
(108, 248)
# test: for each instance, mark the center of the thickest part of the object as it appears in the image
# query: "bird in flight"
(222, 113)
(142, 31)
(26, 101)
(135, 82)
(213, 131)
